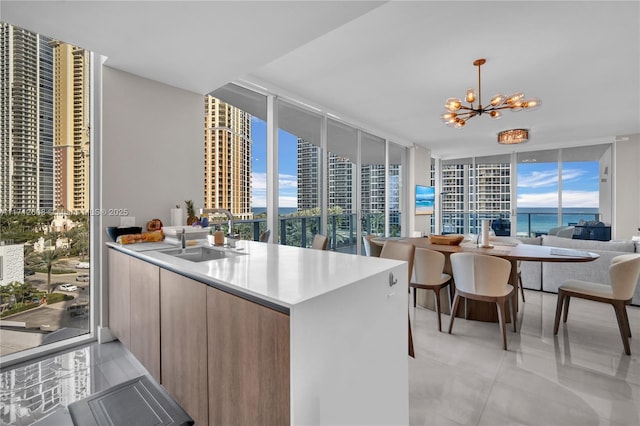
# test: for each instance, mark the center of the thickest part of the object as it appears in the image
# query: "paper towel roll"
(484, 238)
(176, 217)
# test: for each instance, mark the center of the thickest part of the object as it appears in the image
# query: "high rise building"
(71, 127)
(309, 178)
(483, 189)
(227, 164)
(26, 117)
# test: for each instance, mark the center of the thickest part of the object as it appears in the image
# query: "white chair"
(484, 278)
(562, 231)
(623, 274)
(428, 275)
(319, 242)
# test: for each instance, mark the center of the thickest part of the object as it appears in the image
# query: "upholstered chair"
(319, 242)
(623, 274)
(429, 275)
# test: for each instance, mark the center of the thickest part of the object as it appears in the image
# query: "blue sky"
(287, 163)
(538, 184)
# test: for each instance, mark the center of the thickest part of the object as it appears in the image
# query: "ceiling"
(385, 66)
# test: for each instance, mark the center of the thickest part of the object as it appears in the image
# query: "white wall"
(419, 174)
(627, 188)
(11, 263)
(152, 153)
(152, 149)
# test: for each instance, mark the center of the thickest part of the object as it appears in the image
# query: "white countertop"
(279, 274)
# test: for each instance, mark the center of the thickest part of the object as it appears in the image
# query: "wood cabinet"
(134, 308)
(145, 314)
(248, 352)
(183, 346)
(119, 297)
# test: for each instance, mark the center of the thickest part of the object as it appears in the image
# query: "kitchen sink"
(200, 254)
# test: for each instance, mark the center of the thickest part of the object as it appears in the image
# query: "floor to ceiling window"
(46, 152)
(563, 187)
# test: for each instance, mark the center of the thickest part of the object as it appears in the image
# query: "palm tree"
(47, 259)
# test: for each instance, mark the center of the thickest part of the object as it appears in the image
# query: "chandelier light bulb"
(498, 100)
(495, 114)
(471, 96)
(514, 98)
(453, 104)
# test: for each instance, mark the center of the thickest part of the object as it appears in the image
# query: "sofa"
(547, 276)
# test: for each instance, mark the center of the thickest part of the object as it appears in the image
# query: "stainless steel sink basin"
(200, 254)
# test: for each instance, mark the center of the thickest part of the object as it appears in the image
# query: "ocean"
(282, 211)
(544, 218)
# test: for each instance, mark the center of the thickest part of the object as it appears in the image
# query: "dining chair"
(429, 275)
(371, 249)
(319, 242)
(624, 271)
(264, 237)
(484, 278)
(401, 251)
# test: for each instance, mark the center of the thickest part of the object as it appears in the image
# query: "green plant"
(47, 260)
(21, 308)
(57, 298)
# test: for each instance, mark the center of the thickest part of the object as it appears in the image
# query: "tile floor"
(581, 377)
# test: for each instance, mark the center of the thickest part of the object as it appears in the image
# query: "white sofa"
(548, 276)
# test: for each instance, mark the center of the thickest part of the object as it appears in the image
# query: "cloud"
(259, 181)
(541, 179)
(288, 190)
(590, 199)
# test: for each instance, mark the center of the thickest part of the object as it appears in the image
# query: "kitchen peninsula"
(267, 334)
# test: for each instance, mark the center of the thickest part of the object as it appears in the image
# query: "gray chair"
(371, 249)
(319, 242)
(402, 251)
(623, 273)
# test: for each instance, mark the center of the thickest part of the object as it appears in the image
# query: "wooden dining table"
(511, 251)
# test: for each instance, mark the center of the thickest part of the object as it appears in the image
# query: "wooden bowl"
(447, 240)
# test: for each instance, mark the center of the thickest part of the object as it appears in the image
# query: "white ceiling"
(386, 66)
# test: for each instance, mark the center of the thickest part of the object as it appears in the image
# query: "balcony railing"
(298, 231)
(529, 224)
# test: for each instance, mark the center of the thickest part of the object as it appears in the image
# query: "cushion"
(590, 245)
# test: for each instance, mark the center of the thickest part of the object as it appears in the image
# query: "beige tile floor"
(579, 377)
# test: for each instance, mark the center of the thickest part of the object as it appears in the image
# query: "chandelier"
(458, 114)
(513, 136)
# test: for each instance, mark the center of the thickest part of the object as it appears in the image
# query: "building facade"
(72, 129)
(227, 164)
(26, 109)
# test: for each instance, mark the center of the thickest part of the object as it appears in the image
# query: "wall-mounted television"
(425, 199)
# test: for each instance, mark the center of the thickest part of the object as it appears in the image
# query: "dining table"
(507, 248)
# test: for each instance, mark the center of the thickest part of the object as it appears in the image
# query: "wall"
(152, 155)
(419, 174)
(626, 188)
(152, 152)
(12, 263)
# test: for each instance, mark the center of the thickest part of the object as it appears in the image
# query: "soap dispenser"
(218, 237)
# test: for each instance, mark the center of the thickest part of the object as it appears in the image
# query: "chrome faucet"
(183, 240)
(225, 212)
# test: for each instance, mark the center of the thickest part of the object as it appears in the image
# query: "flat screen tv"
(425, 199)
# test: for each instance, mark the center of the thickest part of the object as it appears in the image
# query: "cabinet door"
(248, 362)
(119, 297)
(145, 314)
(183, 343)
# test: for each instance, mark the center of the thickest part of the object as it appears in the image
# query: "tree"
(47, 259)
